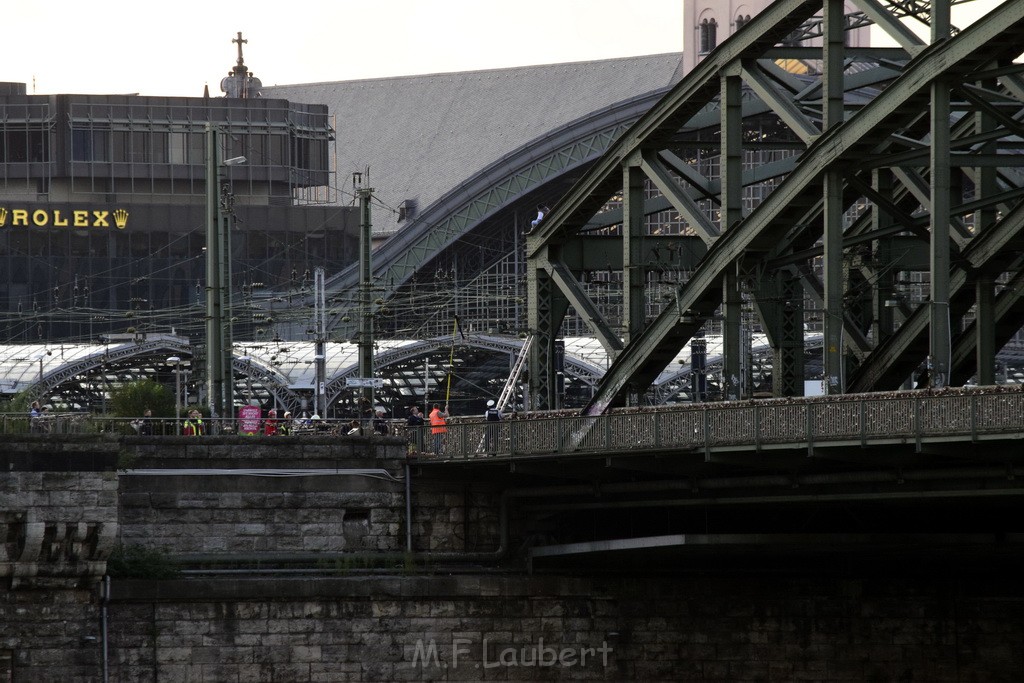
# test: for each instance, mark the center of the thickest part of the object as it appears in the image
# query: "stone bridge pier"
(281, 559)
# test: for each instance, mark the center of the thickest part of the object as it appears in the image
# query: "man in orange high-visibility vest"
(438, 426)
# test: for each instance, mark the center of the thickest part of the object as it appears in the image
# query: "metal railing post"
(863, 425)
(974, 418)
(809, 425)
(757, 427)
(917, 424)
(707, 436)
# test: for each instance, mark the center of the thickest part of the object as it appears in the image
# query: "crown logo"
(3, 216)
(120, 218)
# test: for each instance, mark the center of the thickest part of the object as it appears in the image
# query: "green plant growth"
(19, 403)
(136, 562)
(129, 400)
(16, 410)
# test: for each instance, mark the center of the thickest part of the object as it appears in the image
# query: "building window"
(89, 144)
(742, 20)
(309, 154)
(186, 148)
(160, 147)
(276, 145)
(20, 145)
(708, 35)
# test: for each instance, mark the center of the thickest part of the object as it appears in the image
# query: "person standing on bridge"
(270, 424)
(380, 423)
(492, 416)
(285, 427)
(414, 428)
(34, 415)
(144, 424)
(438, 426)
(194, 424)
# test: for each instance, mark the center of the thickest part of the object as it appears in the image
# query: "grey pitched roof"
(420, 136)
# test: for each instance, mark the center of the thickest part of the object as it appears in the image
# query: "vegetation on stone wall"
(137, 562)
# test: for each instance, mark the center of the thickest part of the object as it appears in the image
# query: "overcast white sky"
(175, 48)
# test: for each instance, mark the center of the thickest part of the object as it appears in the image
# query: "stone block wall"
(258, 496)
(449, 518)
(49, 634)
(58, 527)
(238, 513)
(454, 622)
(732, 628)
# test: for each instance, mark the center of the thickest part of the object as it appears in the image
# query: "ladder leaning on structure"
(513, 377)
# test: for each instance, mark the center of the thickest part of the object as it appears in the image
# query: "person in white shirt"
(541, 210)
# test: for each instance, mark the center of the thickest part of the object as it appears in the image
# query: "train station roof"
(417, 137)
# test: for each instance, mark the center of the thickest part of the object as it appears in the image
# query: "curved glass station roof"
(469, 369)
(465, 372)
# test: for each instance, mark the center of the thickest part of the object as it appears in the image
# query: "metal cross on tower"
(240, 40)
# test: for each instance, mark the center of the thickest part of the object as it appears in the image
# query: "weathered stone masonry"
(485, 627)
(65, 505)
(324, 498)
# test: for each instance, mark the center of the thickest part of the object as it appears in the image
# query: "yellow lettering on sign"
(62, 218)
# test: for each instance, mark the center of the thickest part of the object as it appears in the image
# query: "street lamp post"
(177, 392)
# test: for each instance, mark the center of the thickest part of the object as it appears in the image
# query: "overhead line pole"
(214, 285)
(219, 209)
(320, 356)
(365, 344)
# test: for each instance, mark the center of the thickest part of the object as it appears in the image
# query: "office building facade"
(104, 199)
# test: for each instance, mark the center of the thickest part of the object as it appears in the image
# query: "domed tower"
(240, 82)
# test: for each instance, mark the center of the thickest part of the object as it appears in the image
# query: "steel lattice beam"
(884, 123)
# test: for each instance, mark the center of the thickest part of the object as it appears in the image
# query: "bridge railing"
(87, 423)
(865, 418)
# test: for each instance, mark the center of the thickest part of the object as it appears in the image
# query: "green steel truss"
(918, 143)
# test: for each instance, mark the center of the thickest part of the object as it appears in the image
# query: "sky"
(118, 46)
(176, 48)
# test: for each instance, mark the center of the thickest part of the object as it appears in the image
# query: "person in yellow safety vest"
(194, 424)
(438, 426)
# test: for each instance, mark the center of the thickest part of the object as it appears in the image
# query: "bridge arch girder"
(538, 172)
(844, 147)
(393, 361)
(77, 373)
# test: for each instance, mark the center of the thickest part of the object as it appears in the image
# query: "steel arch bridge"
(902, 159)
(846, 150)
(484, 209)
